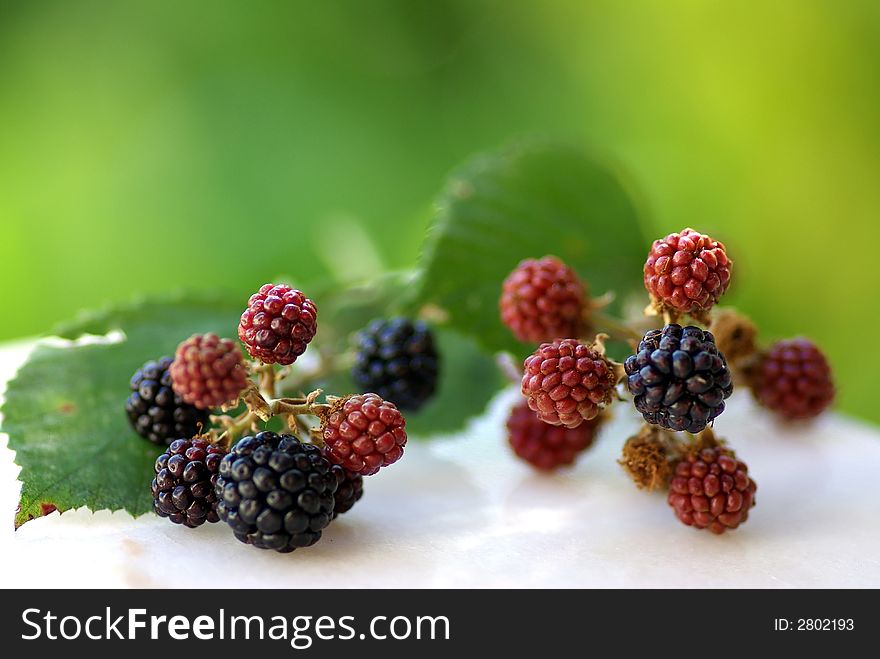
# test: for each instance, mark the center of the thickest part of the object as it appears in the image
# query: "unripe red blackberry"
(208, 371)
(544, 446)
(567, 382)
(794, 379)
(712, 490)
(687, 272)
(183, 488)
(278, 324)
(542, 300)
(364, 433)
(275, 492)
(155, 411)
(349, 490)
(678, 378)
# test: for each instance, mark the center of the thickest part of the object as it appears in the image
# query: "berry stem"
(266, 380)
(328, 364)
(233, 427)
(615, 328)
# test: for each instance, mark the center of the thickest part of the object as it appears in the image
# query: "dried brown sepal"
(735, 335)
(256, 403)
(648, 457)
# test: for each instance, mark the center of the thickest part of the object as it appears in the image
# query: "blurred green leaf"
(527, 200)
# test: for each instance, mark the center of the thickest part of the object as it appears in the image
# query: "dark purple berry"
(155, 411)
(678, 379)
(397, 360)
(183, 488)
(275, 492)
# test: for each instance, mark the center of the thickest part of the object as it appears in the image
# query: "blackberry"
(712, 490)
(208, 371)
(364, 433)
(544, 446)
(155, 411)
(687, 272)
(349, 490)
(678, 378)
(567, 382)
(794, 379)
(183, 488)
(275, 492)
(542, 300)
(278, 324)
(397, 359)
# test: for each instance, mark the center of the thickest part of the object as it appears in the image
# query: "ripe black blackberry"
(396, 359)
(183, 488)
(275, 492)
(678, 378)
(350, 489)
(155, 411)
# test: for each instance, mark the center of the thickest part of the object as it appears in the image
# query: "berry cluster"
(274, 490)
(397, 359)
(567, 382)
(155, 411)
(712, 490)
(278, 324)
(364, 433)
(542, 300)
(687, 272)
(678, 376)
(544, 446)
(186, 474)
(794, 379)
(208, 371)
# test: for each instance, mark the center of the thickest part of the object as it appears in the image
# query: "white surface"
(462, 512)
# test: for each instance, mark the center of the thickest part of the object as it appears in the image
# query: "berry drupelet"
(275, 492)
(678, 378)
(542, 300)
(687, 272)
(364, 433)
(208, 371)
(567, 382)
(349, 490)
(794, 380)
(712, 490)
(397, 359)
(183, 488)
(155, 411)
(278, 324)
(544, 446)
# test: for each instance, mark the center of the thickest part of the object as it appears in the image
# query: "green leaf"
(527, 200)
(64, 410)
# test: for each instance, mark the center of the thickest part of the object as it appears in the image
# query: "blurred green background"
(153, 145)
